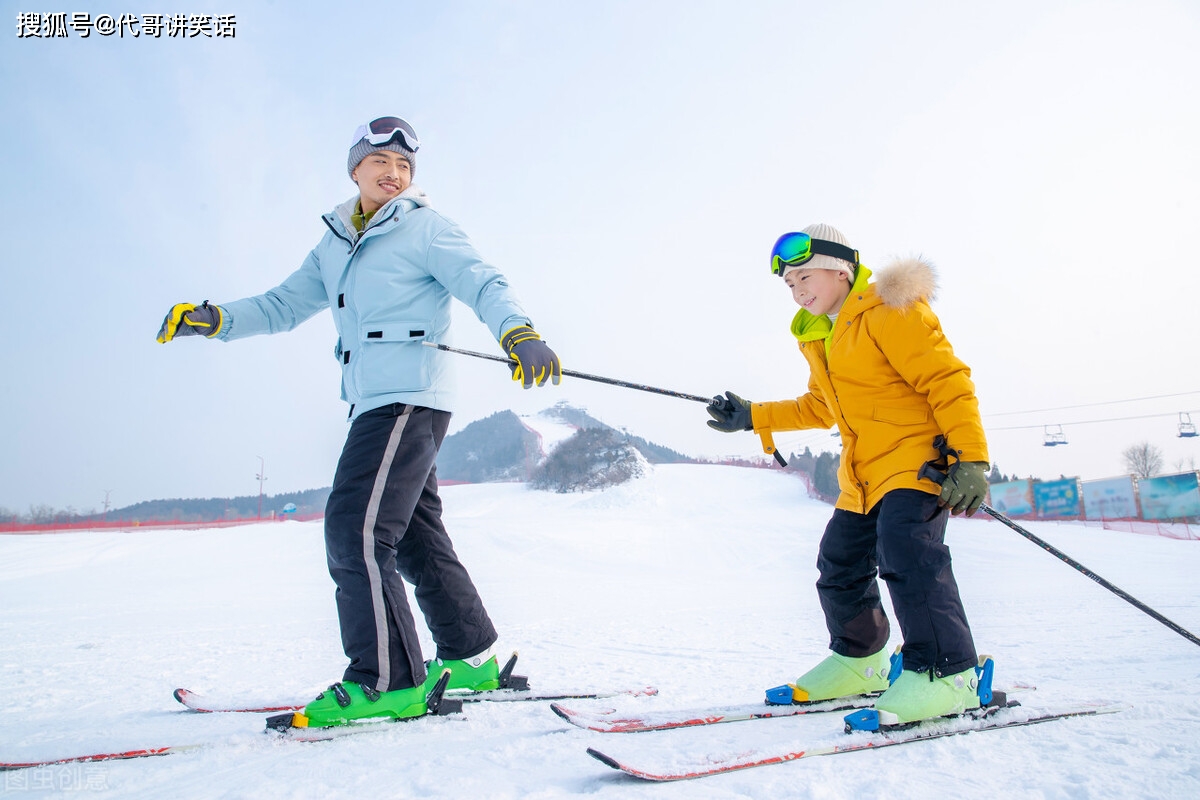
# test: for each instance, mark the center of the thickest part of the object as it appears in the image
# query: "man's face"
(818, 291)
(381, 176)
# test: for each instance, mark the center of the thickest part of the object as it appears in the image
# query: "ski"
(512, 688)
(202, 705)
(607, 720)
(117, 756)
(287, 727)
(288, 734)
(991, 719)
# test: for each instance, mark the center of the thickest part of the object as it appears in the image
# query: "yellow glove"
(185, 319)
(534, 360)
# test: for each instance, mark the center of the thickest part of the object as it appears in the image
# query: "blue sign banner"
(1013, 498)
(1057, 499)
(1170, 496)
(1112, 498)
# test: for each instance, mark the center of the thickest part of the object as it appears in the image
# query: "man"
(387, 268)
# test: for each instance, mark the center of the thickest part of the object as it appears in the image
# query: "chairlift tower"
(261, 476)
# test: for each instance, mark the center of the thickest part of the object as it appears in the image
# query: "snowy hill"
(697, 579)
(507, 446)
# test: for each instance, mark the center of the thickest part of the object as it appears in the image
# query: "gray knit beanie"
(363, 148)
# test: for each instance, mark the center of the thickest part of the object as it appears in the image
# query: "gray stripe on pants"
(378, 601)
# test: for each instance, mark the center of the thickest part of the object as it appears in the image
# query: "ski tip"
(607, 760)
(562, 711)
(190, 700)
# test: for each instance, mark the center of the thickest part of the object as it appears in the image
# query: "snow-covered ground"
(696, 579)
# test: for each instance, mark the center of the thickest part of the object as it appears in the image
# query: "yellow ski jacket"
(886, 376)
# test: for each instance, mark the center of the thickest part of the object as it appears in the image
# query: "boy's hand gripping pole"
(936, 470)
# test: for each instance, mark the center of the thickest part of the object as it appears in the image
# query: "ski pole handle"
(641, 387)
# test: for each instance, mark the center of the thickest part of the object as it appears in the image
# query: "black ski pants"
(903, 540)
(383, 522)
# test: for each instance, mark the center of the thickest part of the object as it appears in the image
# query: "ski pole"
(935, 471)
(641, 387)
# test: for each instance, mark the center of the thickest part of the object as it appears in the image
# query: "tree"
(825, 475)
(593, 458)
(1143, 459)
(41, 514)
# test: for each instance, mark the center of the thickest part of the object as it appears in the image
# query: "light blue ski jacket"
(389, 288)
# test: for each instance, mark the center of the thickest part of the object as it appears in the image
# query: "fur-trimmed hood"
(901, 284)
(905, 281)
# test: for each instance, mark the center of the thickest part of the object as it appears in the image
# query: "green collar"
(358, 218)
(809, 327)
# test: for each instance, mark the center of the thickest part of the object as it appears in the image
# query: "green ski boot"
(479, 673)
(917, 696)
(349, 702)
(835, 677)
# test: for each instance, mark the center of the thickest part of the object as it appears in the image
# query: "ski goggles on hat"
(795, 249)
(385, 130)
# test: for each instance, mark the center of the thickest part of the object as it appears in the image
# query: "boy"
(882, 371)
(387, 269)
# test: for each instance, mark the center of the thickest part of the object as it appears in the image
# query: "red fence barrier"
(132, 525)
(1171, 530)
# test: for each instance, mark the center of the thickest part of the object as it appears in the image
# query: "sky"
(638, 585)
(628, 166)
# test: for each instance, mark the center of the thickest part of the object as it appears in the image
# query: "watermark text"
(60, 25)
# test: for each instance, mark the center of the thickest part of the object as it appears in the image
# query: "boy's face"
(818, 291)
(381, 176)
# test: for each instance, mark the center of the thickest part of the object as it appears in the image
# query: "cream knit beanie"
(829, 234)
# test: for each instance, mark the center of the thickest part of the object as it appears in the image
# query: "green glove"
(730, 414)
(185, 319)
(533, 359)
(965, 487)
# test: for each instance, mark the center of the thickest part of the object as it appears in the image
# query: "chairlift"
(1054, 436)
(1187, 429)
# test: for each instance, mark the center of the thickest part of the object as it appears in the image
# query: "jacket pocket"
(898, 415)
(391, 358)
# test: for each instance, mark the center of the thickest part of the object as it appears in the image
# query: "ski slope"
(550, 430)
(696, 579)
